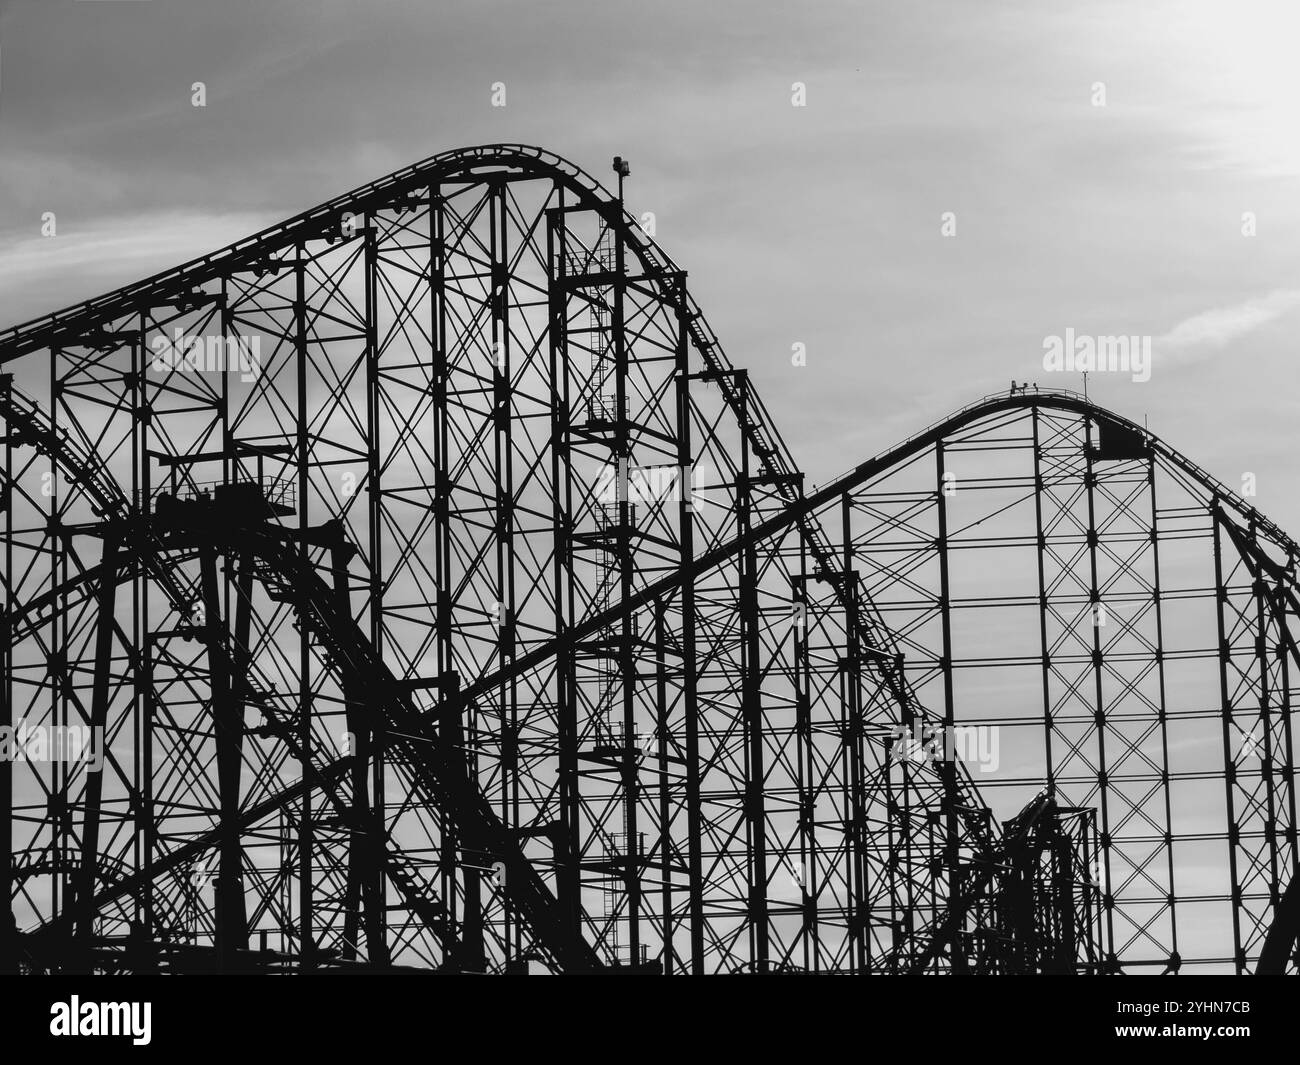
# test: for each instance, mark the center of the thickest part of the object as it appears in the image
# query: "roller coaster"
(447, 601)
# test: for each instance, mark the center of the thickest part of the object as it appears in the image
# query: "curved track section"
(1124, 624)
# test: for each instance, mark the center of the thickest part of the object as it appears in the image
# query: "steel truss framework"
(448, 601)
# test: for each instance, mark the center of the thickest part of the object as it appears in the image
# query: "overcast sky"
(818, 224)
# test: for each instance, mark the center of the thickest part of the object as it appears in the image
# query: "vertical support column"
(136, 392)
(622, 455)
(1041, 551)
(8, 929)
(306, 842)
(442, 550)
(99, 697)
(665, 847)
(1288, 868)
(377, 945)
(1164, 718)
(751, 705)
(1229, 759)
(564, 836)
(146, 832)
(59, 814)
(228, 685)
(503, 445)
(228, 728)
(1097, 611)
(947, 766)
(690, 698)
(852, 770)
(806, 778)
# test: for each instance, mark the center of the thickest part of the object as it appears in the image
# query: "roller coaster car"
(1117, 442)
(240, 504)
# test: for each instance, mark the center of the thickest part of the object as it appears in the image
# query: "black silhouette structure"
(446, 600)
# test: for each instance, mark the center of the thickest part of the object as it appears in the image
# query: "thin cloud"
(43, 274)
(1213, 329)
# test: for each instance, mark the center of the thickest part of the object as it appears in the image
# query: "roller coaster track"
(878, 902)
